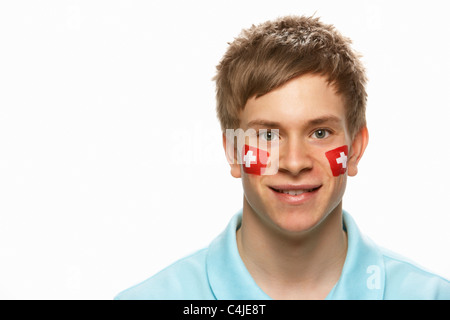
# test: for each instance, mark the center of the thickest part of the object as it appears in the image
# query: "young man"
(296, 91)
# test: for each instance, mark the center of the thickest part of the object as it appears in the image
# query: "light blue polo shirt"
(217, 272)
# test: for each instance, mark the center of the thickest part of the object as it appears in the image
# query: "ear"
(359, 144)
(231, 154)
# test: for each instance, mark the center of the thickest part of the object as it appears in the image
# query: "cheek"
(335, 163)
(337, 159)
(251, 185)
(331, 166)
(254, 160)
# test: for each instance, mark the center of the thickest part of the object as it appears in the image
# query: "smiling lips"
(295, 190)
(295, 194)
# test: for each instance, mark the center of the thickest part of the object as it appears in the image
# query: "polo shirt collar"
(362, 277)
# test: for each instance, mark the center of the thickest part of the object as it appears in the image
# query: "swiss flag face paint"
(254, 160)
(338, 160)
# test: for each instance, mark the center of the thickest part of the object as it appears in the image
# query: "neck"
(286, 265)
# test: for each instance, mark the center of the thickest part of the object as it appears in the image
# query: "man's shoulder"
(184, 279)
(405, 279)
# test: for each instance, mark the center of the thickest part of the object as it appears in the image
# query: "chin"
(297, 222)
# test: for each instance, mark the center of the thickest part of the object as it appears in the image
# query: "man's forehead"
(302, 101)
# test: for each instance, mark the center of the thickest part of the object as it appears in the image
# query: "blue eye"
(321, 133)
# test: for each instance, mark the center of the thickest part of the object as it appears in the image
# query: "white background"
(111, 160)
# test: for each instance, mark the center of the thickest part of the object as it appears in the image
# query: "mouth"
(295, 194)
(294, 190)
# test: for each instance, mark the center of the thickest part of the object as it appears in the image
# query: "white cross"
(342, 160)
(249, 157)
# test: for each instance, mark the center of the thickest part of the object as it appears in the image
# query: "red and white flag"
(254, 160)
(338, 160)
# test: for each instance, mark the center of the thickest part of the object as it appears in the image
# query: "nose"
(294, 157)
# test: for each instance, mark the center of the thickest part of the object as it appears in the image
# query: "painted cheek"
(338, 160)
(254, 160)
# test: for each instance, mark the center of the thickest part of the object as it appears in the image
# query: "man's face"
(310, 118)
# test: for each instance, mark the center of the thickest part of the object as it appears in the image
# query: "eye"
(321, 133)
(268, 135)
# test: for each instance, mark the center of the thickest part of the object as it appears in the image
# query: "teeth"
(295, 192)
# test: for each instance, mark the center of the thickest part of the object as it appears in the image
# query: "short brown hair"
(264, 57)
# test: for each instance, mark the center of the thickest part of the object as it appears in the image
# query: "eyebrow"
(325, 119)
(313, 122)
(264, 123)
